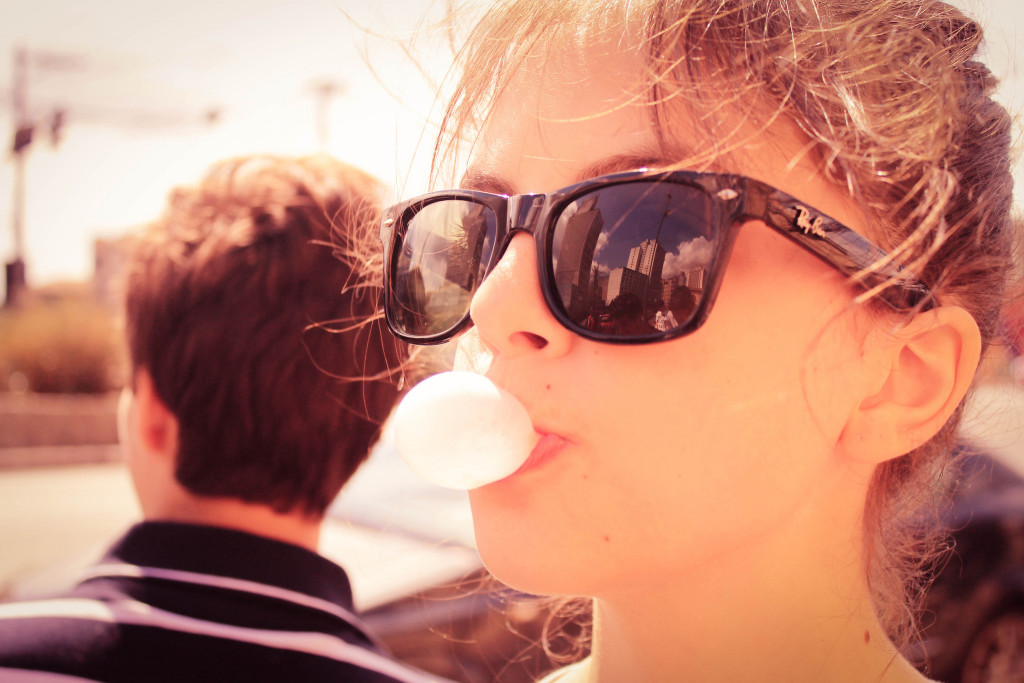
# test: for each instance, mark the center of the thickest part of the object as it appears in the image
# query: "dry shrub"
(66, 344)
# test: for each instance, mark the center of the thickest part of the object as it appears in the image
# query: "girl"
(818, 193)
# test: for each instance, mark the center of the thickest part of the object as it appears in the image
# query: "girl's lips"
(547, 448)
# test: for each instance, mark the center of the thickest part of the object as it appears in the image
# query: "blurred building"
(110, 263)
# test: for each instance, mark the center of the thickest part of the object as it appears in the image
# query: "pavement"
(52, 517)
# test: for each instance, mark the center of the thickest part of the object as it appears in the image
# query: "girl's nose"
(509, 310)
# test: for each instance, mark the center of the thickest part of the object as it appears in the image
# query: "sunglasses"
(627, 258)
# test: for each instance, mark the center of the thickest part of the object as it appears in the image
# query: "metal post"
(15, 272)
(324, 93)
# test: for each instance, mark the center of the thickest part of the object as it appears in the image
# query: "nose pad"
(509, 310)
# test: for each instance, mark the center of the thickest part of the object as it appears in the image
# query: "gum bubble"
(461, 431)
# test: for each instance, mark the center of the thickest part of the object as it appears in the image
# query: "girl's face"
(660, 457)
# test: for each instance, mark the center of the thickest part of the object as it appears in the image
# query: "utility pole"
(325, 91)
(25, 129)
(16, 280)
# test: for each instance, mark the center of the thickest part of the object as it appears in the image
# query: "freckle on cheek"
(607, 539)
(548, 387)
(867, 634)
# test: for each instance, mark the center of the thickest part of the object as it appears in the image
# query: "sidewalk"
(60, 514)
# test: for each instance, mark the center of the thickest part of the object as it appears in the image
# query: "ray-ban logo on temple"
(625, 258)
(810, 226)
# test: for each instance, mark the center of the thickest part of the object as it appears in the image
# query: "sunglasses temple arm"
(866, 264)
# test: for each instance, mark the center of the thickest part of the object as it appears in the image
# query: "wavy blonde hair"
(898, 115)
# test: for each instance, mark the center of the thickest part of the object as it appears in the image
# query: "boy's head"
(245, 307)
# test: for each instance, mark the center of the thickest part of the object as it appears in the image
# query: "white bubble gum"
(461, 431)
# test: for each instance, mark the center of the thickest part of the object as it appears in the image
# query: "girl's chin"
(525, 557)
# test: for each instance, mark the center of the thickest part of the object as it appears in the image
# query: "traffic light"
(22, 137)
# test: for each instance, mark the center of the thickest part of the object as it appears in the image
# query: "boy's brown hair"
(245, 304)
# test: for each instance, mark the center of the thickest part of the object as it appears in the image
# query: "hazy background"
(155, 92)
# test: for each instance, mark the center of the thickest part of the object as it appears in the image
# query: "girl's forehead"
(563, 111)
(569, 106)
(576, 111)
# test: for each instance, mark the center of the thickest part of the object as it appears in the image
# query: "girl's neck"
(789, 605)
(742, 639)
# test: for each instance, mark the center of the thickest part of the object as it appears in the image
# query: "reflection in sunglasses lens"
(445, 248)
(632, 259)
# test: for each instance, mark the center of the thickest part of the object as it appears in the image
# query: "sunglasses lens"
(631, 260)
(442, 251)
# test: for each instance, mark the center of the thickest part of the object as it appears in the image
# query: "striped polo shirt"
(179, 602)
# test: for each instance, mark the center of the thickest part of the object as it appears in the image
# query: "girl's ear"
(914, 378)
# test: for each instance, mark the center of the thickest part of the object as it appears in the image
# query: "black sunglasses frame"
(740, 199)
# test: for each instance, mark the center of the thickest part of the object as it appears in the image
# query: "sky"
(138, 80)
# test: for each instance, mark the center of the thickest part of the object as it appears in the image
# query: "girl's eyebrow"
(477, 179)
(481, 181)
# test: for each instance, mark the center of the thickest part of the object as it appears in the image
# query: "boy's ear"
(914, 378)
(156, 427)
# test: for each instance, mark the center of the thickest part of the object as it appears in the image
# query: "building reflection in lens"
(610, 257)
